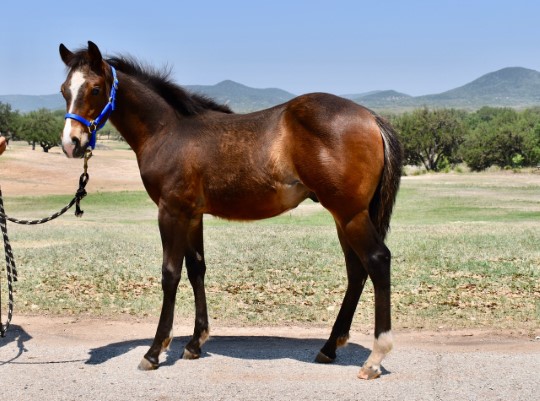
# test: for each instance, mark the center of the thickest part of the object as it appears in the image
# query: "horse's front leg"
(196, 269)
(173, 230)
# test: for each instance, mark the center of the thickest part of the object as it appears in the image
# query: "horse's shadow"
(240, 347)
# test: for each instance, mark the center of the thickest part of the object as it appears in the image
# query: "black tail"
(382, 204)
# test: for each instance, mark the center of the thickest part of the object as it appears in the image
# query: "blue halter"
(99, 121)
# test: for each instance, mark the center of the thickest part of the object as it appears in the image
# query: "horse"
(197, 157)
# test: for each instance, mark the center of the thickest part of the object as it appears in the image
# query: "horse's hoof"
(322, 358)
(147, 365)
(190, 355)
(369, 373)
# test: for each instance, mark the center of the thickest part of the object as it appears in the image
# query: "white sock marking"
(381, 346)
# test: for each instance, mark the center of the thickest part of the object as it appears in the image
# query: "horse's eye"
(95, 91)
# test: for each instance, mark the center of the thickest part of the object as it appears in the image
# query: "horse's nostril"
(76, 142)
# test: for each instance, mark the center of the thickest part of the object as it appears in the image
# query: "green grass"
(465, 253)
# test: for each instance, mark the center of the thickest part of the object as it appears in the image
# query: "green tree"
(8, 119)
(41, 127)
(529, 123)
(431, 137)
(501, 137)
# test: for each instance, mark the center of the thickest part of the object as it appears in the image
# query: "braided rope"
(11, 268)
(81, 193)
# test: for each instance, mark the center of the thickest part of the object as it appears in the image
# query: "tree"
(491, 145)
(431, 137)
(41, 126)
(8, 119)
(530, 127)
(502, 137)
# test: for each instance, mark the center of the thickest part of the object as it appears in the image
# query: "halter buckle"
(92, 127)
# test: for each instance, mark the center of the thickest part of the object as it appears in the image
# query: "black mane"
(160, 82)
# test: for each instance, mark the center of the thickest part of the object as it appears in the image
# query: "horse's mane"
(160, 82)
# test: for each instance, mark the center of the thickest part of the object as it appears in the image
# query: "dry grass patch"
(465, 253)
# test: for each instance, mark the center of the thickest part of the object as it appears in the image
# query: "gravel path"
(81, 359)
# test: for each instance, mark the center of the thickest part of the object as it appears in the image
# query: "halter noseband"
(99, 121)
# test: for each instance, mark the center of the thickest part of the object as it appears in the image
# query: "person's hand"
(3, 144)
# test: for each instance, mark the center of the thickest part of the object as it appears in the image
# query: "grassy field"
(465, 254)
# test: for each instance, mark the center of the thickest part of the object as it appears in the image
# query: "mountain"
(357, 95)
(510, 87)
(242, 98)
(381, 99)
(26, 103)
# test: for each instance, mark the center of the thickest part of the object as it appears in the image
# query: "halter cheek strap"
(99, 121)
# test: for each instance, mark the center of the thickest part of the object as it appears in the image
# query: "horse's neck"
(138, 112)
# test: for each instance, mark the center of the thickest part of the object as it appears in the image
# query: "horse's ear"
(95, 55)
(65, 54)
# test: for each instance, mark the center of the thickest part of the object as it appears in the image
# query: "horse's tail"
(382, 204)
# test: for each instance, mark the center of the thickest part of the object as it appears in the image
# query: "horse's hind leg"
(196, 269)
(375, 257)
(356, 277)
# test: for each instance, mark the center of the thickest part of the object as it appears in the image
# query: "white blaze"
(77, 80)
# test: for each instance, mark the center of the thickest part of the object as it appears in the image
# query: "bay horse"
(196, 156)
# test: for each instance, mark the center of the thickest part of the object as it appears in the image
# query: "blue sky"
(413, 46)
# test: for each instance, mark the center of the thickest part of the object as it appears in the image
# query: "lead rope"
(11, 269)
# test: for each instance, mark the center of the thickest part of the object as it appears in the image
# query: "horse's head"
(88, 93)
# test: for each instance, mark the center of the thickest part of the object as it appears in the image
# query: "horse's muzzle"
(74, 149)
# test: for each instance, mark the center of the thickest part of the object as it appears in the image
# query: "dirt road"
(70, 359)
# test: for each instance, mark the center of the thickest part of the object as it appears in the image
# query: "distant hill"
(510, 87)
(26, 103)
(358, 95)
(242, 98)
(381, 99)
